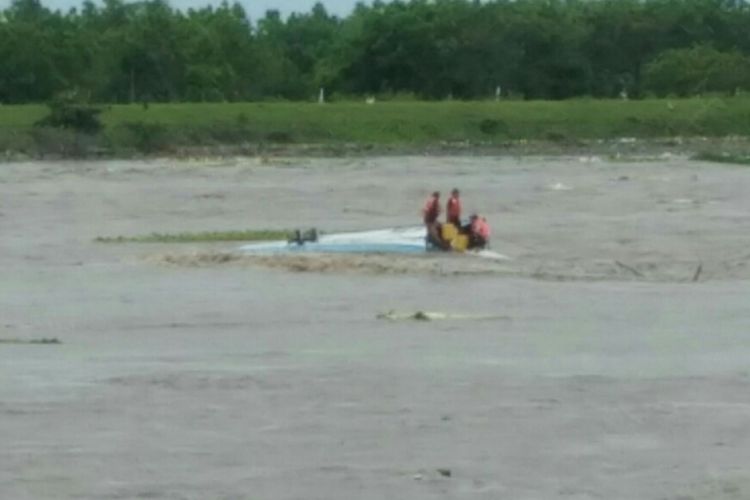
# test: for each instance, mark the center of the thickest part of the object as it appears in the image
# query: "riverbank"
(697, 126)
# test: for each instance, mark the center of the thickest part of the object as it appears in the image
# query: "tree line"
(527, 49)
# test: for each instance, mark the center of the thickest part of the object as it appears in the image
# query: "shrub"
(61, 142)
(490, 126)
(147, 137)
(279, 137)
(67, 114)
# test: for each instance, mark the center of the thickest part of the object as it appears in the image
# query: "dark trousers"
(433, 233)
(476, 241)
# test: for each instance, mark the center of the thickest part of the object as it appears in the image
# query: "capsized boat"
(404, 240)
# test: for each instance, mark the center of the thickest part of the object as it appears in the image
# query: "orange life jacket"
(453, 209)
(480, 228)
(431, 210)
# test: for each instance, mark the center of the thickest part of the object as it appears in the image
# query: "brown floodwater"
(608, 357)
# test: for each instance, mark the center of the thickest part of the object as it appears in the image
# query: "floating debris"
(559, 186)
(629, 268)
(45, 341)
(434, 316)
(445, 472)
(698, 271)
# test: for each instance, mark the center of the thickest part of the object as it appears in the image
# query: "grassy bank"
(164, 128)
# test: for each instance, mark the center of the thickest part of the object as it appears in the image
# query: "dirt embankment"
(62, 146)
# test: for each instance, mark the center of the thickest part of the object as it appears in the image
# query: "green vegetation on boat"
(208, 236)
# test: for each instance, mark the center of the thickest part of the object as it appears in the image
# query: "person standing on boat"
(430, 214)
(453, 209)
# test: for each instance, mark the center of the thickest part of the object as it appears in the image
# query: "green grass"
(428, 122)
(160, 127)
(207, 236)
(20, 117)
(734, 159)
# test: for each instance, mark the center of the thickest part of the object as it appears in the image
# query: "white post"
(321, 96)
(497, 93)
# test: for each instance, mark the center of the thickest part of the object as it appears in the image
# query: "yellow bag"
(460, 243)
(448, 232)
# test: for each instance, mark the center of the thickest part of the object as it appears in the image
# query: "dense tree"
(700, 69)
(435, 49)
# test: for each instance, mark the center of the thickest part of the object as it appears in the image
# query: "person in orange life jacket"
(479, 235)
(453, 209)
(430, 214)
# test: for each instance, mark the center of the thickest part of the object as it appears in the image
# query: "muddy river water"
(610, 357)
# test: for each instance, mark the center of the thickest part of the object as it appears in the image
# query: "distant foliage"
(147, 51)
(700, 69)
